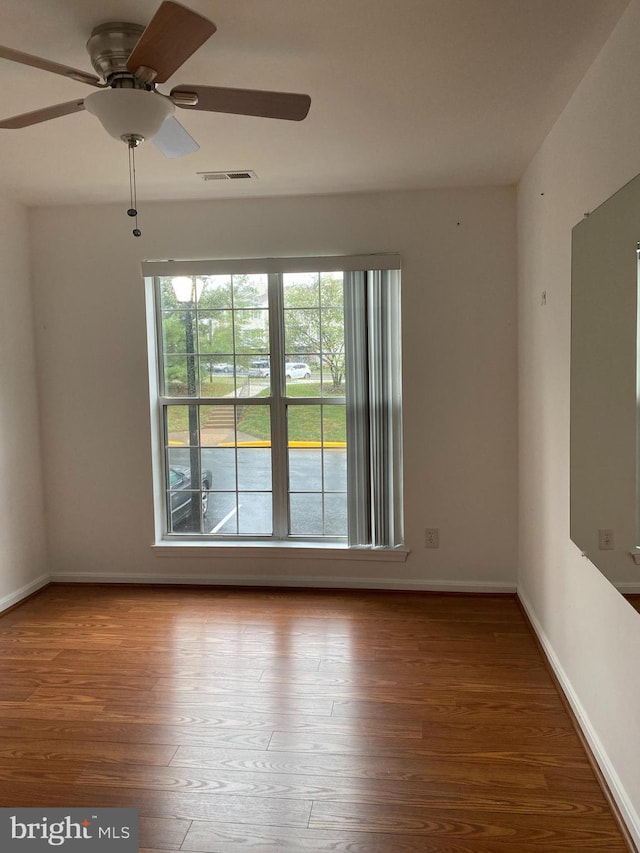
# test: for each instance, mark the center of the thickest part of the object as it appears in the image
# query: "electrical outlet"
(432, 537)
(605, 539)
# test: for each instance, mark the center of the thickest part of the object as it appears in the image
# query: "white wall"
(22, 538)
(459, 316)
(592, 632)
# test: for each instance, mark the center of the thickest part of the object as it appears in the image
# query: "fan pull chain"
(133, 195)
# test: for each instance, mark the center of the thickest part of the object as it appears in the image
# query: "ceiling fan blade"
(173, 140)
(45, 114)
(47, 65)
(173, 34)
(248, 102)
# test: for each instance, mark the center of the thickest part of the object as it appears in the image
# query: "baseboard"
(631, 588)
(488, 587)
(24, 592)
(622, 807)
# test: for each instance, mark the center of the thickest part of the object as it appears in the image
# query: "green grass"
(219, 386)
(304, 421)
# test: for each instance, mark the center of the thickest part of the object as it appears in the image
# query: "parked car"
(292, 370)
(179, 485)
(222, 367)
(297, 370)
(260, 367)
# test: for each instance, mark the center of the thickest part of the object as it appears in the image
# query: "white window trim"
(277, 549)
(347, 263)
(280, 550)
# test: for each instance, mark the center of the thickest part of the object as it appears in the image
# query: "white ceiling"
(405, 94)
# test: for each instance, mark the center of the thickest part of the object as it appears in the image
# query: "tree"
(228, 319)
(314, 322)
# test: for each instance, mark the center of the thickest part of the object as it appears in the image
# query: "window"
(276, 399)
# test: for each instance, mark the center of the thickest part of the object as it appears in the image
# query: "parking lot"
(240, 496)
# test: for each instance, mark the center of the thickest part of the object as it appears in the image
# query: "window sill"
(279, 550)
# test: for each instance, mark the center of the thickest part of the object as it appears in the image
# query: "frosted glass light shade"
(129, 112)
(186, 289)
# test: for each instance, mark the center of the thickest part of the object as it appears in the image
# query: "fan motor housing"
(110, 46)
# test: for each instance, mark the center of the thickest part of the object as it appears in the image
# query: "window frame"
(278, 402)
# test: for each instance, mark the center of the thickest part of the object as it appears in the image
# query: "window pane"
(301, 290)
(177, 426)
(215, 332)
(238, 462)
(221, 461)
(331, 290)
(258, 379)
(251, 330)
(250, 291)
(216, 378)
(302, 330)
(305, 514)
(180, 376)
(305, 468)
(174, 337)
(335, 448)
(298, 377)
(333, 375)
(254, 467)
(222, 514)
(217, 424)
(334, 424)
(216, 292)
(167, 294)
(304, 424)
(255, 514)
(186, 505)
(332, 320)
(335, 515)
(317, 464)
(315, 339)
(179, 460)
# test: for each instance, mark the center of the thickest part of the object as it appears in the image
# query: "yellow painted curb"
(334, 444)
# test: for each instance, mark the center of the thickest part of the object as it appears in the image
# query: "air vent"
(238, 175)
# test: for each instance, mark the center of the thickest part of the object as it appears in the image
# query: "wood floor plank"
(465, 824)
(437, 674)
(222, 698)
(168, 831)
(369, 766)
(279, 785)
(295, 721)
(531, 748)
(197, 663)
(206, 837)
(218, 808)
(253, 720)
(402, 709)
(159, 739)
(102, 751)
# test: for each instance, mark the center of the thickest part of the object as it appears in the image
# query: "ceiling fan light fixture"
(126, 113)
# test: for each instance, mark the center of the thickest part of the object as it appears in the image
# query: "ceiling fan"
(131, 60)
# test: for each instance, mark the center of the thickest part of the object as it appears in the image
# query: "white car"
(297, 370)
(260, 367)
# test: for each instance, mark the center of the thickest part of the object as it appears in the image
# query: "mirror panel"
(604, 287)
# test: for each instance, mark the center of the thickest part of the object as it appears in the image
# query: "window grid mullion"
(279, 444)
(278, 406)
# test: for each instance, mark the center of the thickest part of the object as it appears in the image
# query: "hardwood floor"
(634, 601)
(295, 721)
